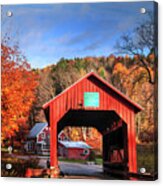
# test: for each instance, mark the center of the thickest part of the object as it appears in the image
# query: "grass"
(4, 150)
(98, 161)
(146, 157)
(72, 160)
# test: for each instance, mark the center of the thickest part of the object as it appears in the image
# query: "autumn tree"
(44, 92)
(142, 41)
(124, 72)
(142, 44)
(133, 81)
(120, 77)
(18, 91)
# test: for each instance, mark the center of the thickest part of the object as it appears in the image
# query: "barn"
(38, 143)
(62, 136)
(93, 102)
(73, 149)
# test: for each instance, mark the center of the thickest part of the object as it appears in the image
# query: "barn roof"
(111, 87)
(38, 127)
(75, 144)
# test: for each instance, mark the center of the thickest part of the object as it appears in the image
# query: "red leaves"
(18, 91)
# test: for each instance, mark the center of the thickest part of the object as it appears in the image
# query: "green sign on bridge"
(91, 99)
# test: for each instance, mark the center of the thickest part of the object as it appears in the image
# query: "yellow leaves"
(95, 139)
(75, 133)
(152, 73)
(14, 118)
(82, 72)
(120, 77)
(89, 135)
(152, 57)
(120, 68)
(134, 82)
(102, 72)
(111, 58)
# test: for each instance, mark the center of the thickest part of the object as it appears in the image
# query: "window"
(39, 147)
(30, 146)
(45, 147)
(85, 151)
(43, 135)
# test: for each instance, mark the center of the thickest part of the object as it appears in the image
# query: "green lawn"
(98, 161)
(145, 156)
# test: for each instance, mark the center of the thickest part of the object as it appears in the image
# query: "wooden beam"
(132, 155)
(53, 144)
(113, 128)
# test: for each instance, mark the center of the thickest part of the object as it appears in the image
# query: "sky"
(47, 32)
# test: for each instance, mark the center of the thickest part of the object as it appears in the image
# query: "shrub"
(19, 167)
(92, 156)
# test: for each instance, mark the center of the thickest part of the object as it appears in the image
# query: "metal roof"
(38, 127)
(75, 144)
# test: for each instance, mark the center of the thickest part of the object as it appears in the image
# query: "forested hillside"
(125, 73)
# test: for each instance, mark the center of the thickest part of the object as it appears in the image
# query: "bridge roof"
(136, 106)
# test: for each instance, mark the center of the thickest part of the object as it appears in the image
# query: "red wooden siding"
(110, 99)
(73, 153)
(77, 153)
(46, 133)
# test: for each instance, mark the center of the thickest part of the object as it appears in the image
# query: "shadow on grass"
(146, 155)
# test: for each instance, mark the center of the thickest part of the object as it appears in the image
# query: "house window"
(30, 146)
(43, 135)
(45, 147)
(85, 151)
(39, 147)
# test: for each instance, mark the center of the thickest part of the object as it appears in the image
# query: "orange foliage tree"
(18, 91)
(134, 82)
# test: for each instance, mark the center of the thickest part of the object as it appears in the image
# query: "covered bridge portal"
(92, 102)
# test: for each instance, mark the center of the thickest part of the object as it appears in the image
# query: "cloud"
(78, 38)
(93, 46)
(63, 39)
(126, 24)
(51, 31)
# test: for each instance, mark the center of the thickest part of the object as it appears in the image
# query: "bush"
(146, 157)
(92, 156)
(63, 64)
(19, 167)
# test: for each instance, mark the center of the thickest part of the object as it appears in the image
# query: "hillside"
(125, 73)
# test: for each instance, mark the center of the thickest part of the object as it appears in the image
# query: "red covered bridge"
(92, 102)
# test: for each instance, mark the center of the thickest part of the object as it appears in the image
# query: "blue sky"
(48, 32)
